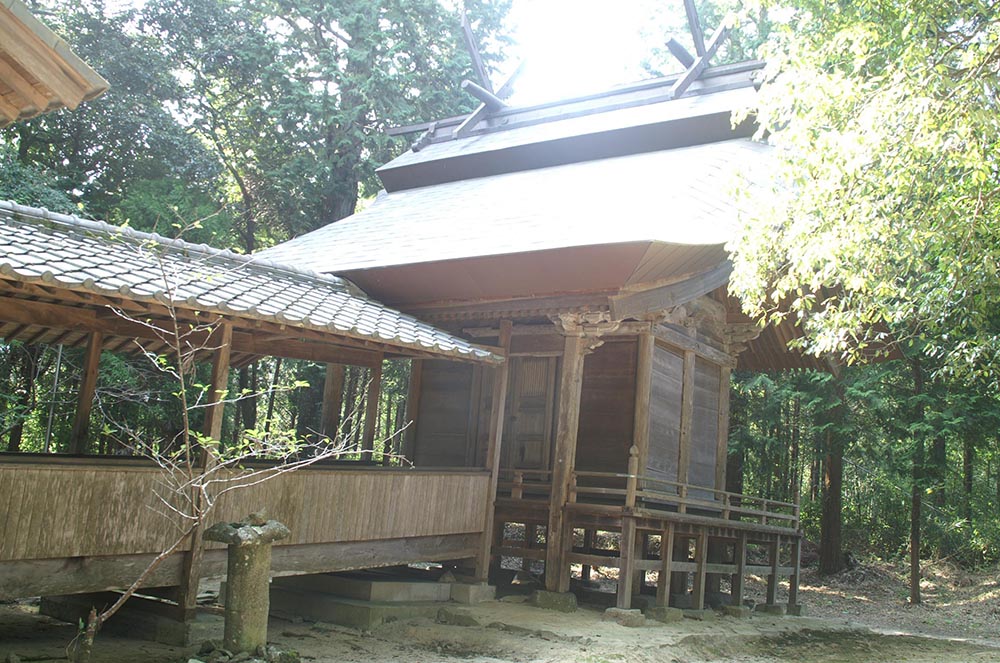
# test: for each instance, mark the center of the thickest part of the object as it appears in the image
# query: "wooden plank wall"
(530, 413)
(607, 405)
(665, 413)
(444, 418)
(55, 511)
(705, 427)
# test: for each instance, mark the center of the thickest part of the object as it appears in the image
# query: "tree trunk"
(831, 553)
(917, 488)
(968, 460)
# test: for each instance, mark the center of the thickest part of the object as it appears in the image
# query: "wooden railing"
(631, 490)
(533, 485)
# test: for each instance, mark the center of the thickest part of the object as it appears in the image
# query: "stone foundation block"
(561, 601)
(797, 610)
(456, 617)
(737, 611)
(700, 615)
(471, 593)
(630, 618)
(774, 609)
(665, 614)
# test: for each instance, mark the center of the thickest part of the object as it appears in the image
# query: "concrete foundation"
(472, 593)
(775, 609)
(797, 610)
(291, 603)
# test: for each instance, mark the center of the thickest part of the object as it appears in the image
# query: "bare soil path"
(860, 616)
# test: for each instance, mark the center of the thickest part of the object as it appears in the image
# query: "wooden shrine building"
(586, 239)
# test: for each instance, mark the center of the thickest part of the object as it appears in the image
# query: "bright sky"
(580, 46)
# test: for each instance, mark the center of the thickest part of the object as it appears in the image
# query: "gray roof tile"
(78, 254)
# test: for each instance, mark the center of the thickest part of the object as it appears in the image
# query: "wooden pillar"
(666, 564)
(641, 552)
(529, 542)
(740, 554)
(687, 417)
(333, 399)
(701, 559)
(588, 549)
(772, 578)
(793, 581)
(212, 428)
(564, 460)
(643, 393)
(722, 444)
(371, 410)
(85, 398)
(498, 404)
(626, 563)
(412, 407)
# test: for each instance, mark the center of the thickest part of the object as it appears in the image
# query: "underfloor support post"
(626, 563)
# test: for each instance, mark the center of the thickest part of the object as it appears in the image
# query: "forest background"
(242, 124)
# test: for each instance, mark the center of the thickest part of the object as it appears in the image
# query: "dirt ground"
(859, 616)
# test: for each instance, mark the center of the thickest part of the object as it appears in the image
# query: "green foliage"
(31, 185)
(885, 213)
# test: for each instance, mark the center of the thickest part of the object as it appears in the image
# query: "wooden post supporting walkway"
(564, 460)
(499, 398)
(223, 341)
(85, 398)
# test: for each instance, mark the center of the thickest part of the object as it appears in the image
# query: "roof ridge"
(104, 228)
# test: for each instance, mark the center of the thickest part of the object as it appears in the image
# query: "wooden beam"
(212, 429)
(33, 57)
(333, 400)
(371, 411)
(564, 459)
(665, 297)
(470, 122)
(738, 580)
(626, 564)
(85, 398)
(694, 23)
(722, 428)
(676, 339)
(701, 561)
(10, 111)
(493, 450)
(687, 417)
(58, 316)
(694, 71)
(643, 393)
(772, 576)
(23, 87)
(666, 566)
(477, 58)
(793, 580)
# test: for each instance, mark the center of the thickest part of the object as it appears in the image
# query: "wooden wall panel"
(444, 420)
(82, 510)
(530, 408)
(665, 413)
(607, 406)
(704, 434)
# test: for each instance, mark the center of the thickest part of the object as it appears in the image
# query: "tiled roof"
(68, 252)
(683, 196)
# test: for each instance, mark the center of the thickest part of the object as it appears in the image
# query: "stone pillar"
(247, 578)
